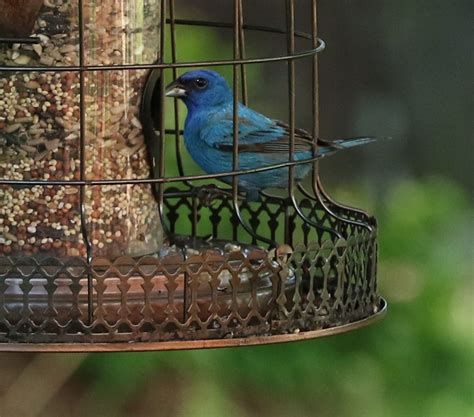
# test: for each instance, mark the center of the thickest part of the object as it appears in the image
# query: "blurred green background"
(401, 69)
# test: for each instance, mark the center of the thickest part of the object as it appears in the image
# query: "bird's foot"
(253, 196)
(207, 194)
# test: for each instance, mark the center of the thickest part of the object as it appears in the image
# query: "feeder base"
(195, 344)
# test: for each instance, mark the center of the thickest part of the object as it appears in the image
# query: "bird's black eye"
(200, 83)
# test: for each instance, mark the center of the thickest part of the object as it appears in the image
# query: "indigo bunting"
(209, 129)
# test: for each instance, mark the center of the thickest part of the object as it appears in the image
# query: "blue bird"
(209, 129)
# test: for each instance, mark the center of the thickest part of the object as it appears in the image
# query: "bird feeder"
(101, 249)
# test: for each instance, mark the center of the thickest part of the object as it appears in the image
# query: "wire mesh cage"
(102, 249)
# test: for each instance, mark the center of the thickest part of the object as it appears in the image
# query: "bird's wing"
(260, 134)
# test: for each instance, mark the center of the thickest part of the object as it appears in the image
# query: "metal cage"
(229, 272)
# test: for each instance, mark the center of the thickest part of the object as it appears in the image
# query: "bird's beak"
(175, 89)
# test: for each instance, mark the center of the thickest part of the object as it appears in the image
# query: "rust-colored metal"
(242, 293)
(283, 269)
(196, 344)
(17, 17)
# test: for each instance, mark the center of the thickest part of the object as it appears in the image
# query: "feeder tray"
(101, 250)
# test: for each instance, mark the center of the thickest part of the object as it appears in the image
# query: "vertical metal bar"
(174, 59)
(238, 29)
(316, 124)
(243, 69)
(235, 152)
(161, 168)
(290, 29)
(179, 159)
(316, 183)
(82, 143)
(290, 4)
(315, 90)
(186, 288)
(318, 188)
(194, 217)
(315, 131)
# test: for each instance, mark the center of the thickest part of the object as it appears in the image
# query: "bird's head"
(200, 89)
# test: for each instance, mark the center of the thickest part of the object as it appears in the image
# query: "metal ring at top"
(258, 28)
(170, 65)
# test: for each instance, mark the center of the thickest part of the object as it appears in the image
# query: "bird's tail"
(328, 147)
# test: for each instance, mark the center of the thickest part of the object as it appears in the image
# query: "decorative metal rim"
(196, 344)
